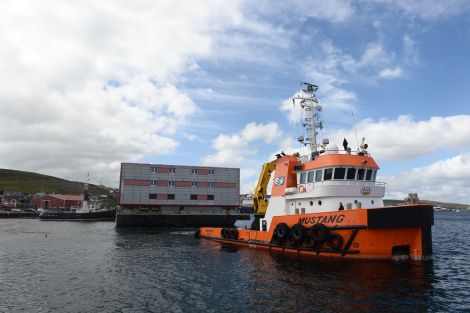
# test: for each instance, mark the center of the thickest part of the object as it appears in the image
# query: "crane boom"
(260, 203)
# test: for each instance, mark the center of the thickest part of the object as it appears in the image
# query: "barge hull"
(72, 216)
(175, 220)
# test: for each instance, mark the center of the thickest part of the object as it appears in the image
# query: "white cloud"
(444, 180)
(232, 149)
(429, 9)
(410, 51)
(405, 138)
(86, 85)
(389, 73)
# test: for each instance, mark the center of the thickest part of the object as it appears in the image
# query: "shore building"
(176, 195)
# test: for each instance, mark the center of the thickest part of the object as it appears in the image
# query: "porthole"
(355, 201)
(319, 202)
(300, 203)
(372, 201)
(292, 203)
(311, 203)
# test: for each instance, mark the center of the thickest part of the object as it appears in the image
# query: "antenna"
(312, 122)
(354, 124)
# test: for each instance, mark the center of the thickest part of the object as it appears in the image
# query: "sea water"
(94, 267)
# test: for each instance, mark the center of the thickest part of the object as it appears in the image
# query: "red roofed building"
(57, 201)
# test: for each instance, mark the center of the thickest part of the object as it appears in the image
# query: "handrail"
(363, 183)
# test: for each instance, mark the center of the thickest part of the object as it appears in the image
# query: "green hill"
(448, 205)
(32, 183)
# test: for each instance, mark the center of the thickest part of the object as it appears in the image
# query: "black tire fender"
(234, 233)
(334, 241)
(296, 235)
(224, 233)
(280, 233)
(319, 232)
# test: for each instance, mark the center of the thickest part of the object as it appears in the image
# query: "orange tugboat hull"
(397, 232)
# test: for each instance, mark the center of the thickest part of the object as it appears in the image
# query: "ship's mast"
(312, 122)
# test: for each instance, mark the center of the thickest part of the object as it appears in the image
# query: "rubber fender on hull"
(197, 233)
(224, 233)
(334, 241)
(319, 232)
(280, 233)
(233, 233)
(296, 235)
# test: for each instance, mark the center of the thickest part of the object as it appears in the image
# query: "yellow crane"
(260, 203)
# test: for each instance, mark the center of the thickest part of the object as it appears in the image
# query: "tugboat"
(89, 210)
(328, 203)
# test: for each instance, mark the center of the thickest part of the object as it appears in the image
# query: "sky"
(86, 85)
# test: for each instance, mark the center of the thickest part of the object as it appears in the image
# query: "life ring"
(296, 235)
(301, 188)
(280, 233)
(335, 241)
(319, 232)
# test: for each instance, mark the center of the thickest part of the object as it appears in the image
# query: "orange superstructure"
(329, 203)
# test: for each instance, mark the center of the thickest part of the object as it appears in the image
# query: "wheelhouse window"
(153, 196)
(369, 174)
(339, 173)
(302, 178)
(210, 197)
(360, 174)
(172, 170)
(318, 175)
(310, 176)
(193, 197)
(211, 171)
(351, 174)
(328, 174)
(194, 171)
(171, 196)
(374, 175)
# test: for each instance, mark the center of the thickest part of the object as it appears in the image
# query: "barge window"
(369, 174)
(360, 174)
(172, 170)
(194, 184)
(153, 183)
(193, 197)
(171, 196)
(153, 196)
(210, 185)
(318, 175)
(211, 171)
(171, 183)
(302, 178)
(194, 171)
(310, 176)
(328, 174)
(210, 197)
(339, 173)
(351, 173)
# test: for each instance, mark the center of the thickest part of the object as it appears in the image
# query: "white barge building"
(176, 195)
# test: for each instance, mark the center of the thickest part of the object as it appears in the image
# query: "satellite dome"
(331, 148)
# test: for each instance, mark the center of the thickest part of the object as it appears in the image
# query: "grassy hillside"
(448, 205)
(32, 183)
